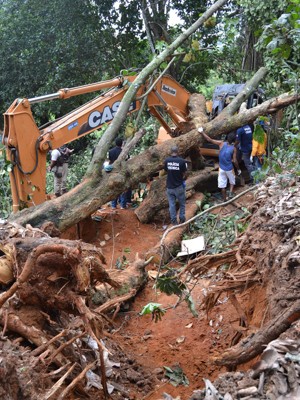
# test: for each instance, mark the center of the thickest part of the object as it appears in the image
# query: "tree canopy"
(45, 48)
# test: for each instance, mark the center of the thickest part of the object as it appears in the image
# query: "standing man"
(176, 168)
(59, 166)
(227, 157)
(113, 154)
(244, 142)
(259, 145)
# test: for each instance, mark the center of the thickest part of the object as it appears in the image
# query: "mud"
(143, 347)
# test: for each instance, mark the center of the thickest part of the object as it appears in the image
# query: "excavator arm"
(27, 145)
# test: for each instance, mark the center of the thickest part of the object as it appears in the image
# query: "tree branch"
(113, 129)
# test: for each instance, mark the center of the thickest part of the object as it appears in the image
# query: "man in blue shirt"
(176, 168)
(227, 158)
(244, 141)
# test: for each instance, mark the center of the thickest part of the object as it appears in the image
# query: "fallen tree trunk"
(171, 245)
(86, 198)
(198, 116)
(157, 200)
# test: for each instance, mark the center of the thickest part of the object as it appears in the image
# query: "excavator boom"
(27, 145)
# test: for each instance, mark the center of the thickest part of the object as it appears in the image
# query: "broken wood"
(254, 345)
(31, 333)
(59, 383)
(111, 304)
(75, 381)
(204, 263)
(198, 117)
(44, 346)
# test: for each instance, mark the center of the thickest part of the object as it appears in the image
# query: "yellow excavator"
(27, 145)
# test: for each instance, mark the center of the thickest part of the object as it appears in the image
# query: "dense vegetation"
(44, 49)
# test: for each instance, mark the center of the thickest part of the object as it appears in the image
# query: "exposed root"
(253, 345)
(75, 381)
(202, 264)
(110, 304)
(59, 383)
(71, 255)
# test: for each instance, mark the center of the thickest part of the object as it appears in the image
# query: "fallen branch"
(110, 304)
(74, 382)
(90, 320)
(31, 333)
(58, 384)
(204, 212)
(43, 347)
(252, 346)
(64, 345)
(130, 145)
(201, 265)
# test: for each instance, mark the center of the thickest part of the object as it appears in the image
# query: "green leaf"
(198, 203)
(176, 376)
(170, 285)
(154, 309)
(277, 168)
(149, 308)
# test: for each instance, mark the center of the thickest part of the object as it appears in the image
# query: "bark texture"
(89, 195)
(156, 200)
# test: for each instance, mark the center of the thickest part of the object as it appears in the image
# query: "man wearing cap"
(176, 168)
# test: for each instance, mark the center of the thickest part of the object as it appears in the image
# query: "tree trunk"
(253, 345)
(89, 195)
(110, 134)
(156, 199)
(172, 242)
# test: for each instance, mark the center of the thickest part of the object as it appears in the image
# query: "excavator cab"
(224, 94)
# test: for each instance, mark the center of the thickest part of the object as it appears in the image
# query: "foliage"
(258, 13)
(283, 160)
(45, 49)
(176, 376)
(155, 310)
(169, 284)
(246, 23)
(219, 232)
(208, 88)
(151, 126)
(280, 41)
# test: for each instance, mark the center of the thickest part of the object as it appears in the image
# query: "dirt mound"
(240, 310)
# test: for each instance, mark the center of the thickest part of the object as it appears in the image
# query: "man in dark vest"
(176, 168)
(244, 140)
(113, 155)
